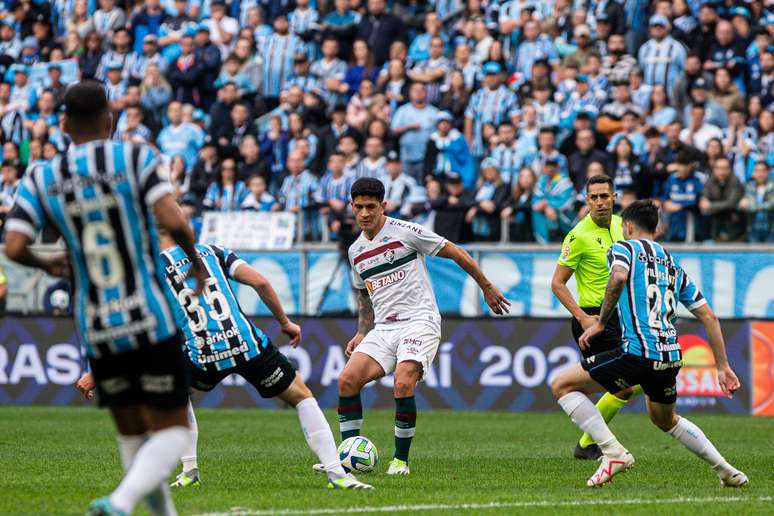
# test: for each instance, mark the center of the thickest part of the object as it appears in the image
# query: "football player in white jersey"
(399, 326)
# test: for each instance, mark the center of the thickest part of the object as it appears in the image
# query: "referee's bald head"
(87, 112)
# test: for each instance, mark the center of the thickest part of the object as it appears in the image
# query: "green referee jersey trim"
(584, 250)
(388, 266)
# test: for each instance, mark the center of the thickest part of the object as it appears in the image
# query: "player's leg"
(161, 383)
(610, 403)
(407, 375)
(571, 388)
(664, 416)
(371, 360)
(416, 348)
(318, 434)
(189, 476)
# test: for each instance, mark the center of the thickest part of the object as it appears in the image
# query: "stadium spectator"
(758, 204)
(412, 124)
(720, 198)
(552, 203)
(398, 187)
(450, 209)
(682, 192)
(258, 199)
(586, 153)
(447, 153)
(226, 192)
(380, 28)
(490, 196)
(517, 209)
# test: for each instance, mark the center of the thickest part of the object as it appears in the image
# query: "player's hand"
(589, 334)
(352, 344)
(197, 272)
(58, 266)
(293, 331)
(728, 381)
(85, 385)
(496, 300)
(588, 321)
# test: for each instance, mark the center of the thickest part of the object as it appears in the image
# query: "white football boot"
(611, 465)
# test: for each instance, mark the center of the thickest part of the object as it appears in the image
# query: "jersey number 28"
(197, 315)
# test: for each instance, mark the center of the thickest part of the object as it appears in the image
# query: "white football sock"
(694, 439)
(188, 458)
(319, 436)
(152, 465)
(128, 446)
(584, 414)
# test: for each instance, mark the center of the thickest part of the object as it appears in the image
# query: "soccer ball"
(358, 454)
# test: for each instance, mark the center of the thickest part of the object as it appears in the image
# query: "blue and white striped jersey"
(490, 107)
(648, 306)
(278, 52)
(662, 61)
(218, 335)
(99, 197)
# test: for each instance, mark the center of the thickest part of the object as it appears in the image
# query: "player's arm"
(23, 224)
(562, 275)
(17, 249)
(170, 217)
(615, 285)
(247, 275)
(726, 376)
(365, 320)
(494, 298)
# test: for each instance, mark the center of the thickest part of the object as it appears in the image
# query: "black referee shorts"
(609, 339)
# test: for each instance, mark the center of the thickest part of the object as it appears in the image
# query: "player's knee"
(404, 387)
(349, 384)
(559, 387)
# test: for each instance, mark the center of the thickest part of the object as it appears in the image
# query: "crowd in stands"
(484, 119)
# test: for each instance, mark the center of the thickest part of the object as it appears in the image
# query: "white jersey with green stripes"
(391, 266)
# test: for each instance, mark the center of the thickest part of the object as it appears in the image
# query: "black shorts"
(617, 370)
(271, 373)
(609, 339)
(153, 375)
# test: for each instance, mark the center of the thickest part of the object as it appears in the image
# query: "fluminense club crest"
(389, 255)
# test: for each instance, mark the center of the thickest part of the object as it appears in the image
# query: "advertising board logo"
(698, 377)
(762, 361)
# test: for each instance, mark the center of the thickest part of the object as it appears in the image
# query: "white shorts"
(388, 345)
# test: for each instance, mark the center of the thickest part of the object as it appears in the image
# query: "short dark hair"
(368, 187)
(643, 214)
(684, 157)
(600, 180)
(85, 101)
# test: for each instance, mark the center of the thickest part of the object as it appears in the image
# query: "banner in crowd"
(737, 284)
(482, 364)
(248, 230)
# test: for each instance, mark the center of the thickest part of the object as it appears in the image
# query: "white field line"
(240, 511)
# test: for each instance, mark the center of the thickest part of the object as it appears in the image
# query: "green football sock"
(608, 405)
(405, 426)
(350, 416)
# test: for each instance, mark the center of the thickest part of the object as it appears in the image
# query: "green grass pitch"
(56, 460)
